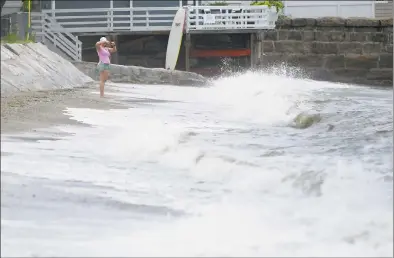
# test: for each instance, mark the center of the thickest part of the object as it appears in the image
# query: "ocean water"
(210, 171)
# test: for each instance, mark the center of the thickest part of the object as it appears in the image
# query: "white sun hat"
(103, 39)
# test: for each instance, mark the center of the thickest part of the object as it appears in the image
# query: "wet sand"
(30, 110)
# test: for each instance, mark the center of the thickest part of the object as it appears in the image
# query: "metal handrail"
(46, 29)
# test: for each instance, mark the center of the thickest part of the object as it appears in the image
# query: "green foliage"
(218, 3)
(25, 6)
(277, 3)
(31, 37)
(283, 17)
(14, 38)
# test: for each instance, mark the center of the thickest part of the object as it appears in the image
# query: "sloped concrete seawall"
(33, 67)
(142, 75)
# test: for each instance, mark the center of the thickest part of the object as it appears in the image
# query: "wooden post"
(252, 45)
(256, 49)
(188, 44)
(114, 56)
(260, 40)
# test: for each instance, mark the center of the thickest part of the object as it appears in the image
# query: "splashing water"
(212, 171)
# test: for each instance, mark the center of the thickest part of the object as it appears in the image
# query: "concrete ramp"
(33, 67)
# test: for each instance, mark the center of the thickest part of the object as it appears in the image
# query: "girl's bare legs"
(103, 78)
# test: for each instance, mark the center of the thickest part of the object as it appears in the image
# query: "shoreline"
(26, 111)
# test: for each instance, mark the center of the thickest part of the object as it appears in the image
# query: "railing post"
(147, 18)
(42, 27)
(111, 8)
(131, 15)
(78, 45)
(187, 22)
(108, 20)
(197, 17)
(53, 9)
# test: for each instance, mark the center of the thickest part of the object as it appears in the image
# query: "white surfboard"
(175, 39)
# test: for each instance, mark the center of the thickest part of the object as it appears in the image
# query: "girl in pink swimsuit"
(104, 49)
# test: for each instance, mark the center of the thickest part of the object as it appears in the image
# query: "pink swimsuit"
(104, 55)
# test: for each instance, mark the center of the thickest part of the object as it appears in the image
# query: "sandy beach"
(29, 110)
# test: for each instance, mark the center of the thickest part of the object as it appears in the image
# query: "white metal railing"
(114, 19)
(55, 27)
(160, 18)
(50, 33)
(229, 17)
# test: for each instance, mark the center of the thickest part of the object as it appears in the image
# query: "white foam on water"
(197, 154)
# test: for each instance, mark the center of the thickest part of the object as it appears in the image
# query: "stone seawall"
(33, 67)
(334, 49)
(141, 75)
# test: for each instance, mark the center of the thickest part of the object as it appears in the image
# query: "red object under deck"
(220, 53)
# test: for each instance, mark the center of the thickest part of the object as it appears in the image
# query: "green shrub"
(25, 6)
(283, 17)
(31, 37)
(14, 38)
(277, 3)
(218, 3)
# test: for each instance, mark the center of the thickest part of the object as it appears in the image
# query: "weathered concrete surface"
(334, 49)
(33, 67)
(141, 75)
(26, 111)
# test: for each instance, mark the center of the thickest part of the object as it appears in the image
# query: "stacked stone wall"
(334, 49)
